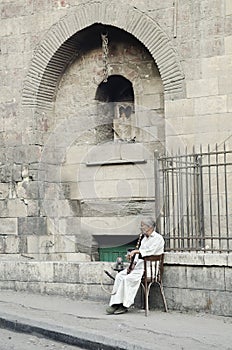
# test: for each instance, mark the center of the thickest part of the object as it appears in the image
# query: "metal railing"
(194, 200)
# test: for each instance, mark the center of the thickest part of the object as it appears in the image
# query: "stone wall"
(192, 282)
(177, 54)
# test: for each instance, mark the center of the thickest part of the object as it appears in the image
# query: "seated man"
(127, 281)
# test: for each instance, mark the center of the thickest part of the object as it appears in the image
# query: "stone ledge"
(202, 259)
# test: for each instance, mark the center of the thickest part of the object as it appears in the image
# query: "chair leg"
(146, 291)
(146, 299)
(163, 296)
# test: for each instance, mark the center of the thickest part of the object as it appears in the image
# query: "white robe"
(126, 285)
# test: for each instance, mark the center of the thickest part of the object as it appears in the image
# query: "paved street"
(85, 322)
(10, 340)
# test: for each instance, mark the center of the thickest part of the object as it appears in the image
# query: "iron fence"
(194, 200)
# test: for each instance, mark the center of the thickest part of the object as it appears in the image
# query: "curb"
(86, 340)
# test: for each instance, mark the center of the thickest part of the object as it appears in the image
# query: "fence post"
(157, 193)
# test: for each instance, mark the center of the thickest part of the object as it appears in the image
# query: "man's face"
(146, 229)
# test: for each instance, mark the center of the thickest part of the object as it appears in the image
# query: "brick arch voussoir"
(58, 48)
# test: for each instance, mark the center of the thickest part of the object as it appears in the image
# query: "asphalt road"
(10, 340)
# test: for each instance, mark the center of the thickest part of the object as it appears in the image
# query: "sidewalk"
(85, 323)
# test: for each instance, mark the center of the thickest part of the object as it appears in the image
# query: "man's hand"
(132, 253)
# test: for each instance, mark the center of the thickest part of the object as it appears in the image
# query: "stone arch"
(58, 49)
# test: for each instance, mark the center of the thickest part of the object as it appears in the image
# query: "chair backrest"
(153, 267)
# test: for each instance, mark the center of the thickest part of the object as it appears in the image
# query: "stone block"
(17, 172)
(212, 46)
(17, 208)
(12, 271)
(230, 260)
(228, 25)
(120, 188)
(192, 68)
(33, 207)
(12, 245)
(5, 173)
(111, 225)
(229, 102)
(2, 244)
(228, 5)
(3, 268)
(3, 208)
(52, 191)
(225, 85)
(175, 276)
(69, 225)
(210, 105)
(92, 273)
(31, 287)
(153, 101)
(96, 293)
(66, 272)
(77, 257)
(65, 208)
(75, 191)
(228, 279)
(32, 226)
(184, 258)
(66, 289)
(217, 66)
(71, 172)
(213, 138)
(127, 171)
(64, 244)
(132, 151)
(28, 189)
(104, 153)
(190, 299)
(208, 278)
(77, 154)
(228, 45)
(179, 108)
(7, 285)
(53, 173)
(152, 86)
(40, 244)
(220, 303)
(215, 259)
(12, 138)
(8, 226)
(88, 173)
(30, 272)
(202, 87)
(122, 207)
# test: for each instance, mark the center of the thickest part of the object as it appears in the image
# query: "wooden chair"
(153, 271)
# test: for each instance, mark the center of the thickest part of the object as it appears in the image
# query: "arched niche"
(60, 47)
(115, 98)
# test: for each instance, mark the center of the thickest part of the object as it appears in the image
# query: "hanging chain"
(105, 51)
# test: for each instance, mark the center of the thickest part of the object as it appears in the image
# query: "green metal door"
(111, 253)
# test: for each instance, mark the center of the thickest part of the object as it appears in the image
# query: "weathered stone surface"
(175, 276)
(203, 87)
(8, 226)
(210, 105)
(32, 226)
(84, 280)
(228, 279)
(206, 278)
(220, 303)
(66, 273)
(41, 67)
